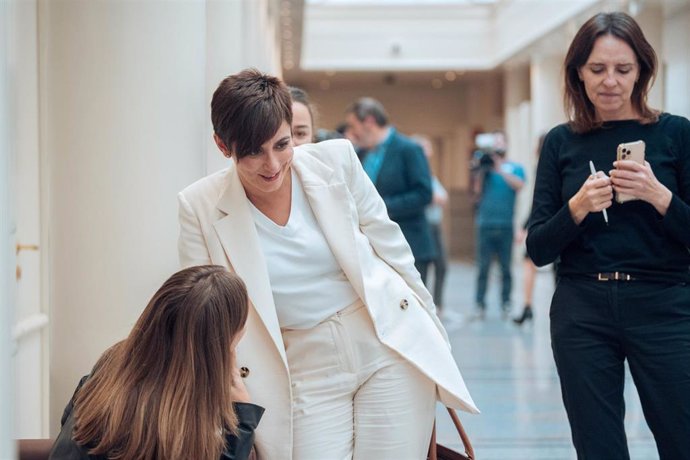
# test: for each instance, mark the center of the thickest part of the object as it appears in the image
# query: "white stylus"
(594, 174)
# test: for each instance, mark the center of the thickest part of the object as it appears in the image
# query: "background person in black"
(642, 313)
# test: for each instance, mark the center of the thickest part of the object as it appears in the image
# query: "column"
(122, 94)
(240, 34)
(516, 89)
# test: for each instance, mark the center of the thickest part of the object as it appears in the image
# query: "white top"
(307, 282)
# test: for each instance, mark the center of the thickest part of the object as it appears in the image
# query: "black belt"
(620, 276)
(612, 276)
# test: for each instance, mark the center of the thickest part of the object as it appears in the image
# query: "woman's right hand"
(595, 195)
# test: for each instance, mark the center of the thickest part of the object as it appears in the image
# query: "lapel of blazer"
(332, 205)
(237, 234)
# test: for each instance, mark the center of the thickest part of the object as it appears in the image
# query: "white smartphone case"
(629, 151)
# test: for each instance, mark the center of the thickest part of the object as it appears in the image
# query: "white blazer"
(216, 227)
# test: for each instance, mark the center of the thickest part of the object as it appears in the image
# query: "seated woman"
(171, 389)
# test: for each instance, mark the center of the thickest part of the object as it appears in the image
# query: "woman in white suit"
(342, 346)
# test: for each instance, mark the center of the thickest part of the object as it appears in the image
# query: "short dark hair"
(366, 106)
(247, 109)
(579, 108)
(301, 96)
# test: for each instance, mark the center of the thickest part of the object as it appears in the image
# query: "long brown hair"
(164, 391)
(578, 107)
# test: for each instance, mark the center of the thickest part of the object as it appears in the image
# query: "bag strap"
(433, 453)
(469, 450)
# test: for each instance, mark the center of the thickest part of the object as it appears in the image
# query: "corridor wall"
(122, 123)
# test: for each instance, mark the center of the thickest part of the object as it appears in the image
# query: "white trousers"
(354, 398)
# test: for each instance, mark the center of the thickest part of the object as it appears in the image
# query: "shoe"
(505, 310)
(525, 316)
(452, 320)
(479, 315)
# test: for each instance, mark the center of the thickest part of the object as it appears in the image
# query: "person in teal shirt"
(497, 186)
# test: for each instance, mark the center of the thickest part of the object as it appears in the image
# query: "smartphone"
(629, 151)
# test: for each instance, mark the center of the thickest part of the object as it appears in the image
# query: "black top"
(238, 447)
(638, 240)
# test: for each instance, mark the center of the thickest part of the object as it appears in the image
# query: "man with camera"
(496, 182)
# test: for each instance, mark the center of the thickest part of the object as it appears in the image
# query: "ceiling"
(427, 42)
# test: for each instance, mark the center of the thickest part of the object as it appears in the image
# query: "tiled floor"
(511, 375)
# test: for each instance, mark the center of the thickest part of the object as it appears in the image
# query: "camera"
(482, 161)
(488, 145)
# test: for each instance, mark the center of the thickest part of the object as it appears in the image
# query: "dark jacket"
(237, 447)
(404, 183)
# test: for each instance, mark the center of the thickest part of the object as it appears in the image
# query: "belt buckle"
(615, 276)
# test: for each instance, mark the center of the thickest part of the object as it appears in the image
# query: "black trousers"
(595, 327)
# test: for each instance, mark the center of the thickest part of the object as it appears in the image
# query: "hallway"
(511, 375)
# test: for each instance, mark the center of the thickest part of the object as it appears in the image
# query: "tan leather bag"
(440, 452)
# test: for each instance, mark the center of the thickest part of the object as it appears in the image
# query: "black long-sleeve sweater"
(638, 240)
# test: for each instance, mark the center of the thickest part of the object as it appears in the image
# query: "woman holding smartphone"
(623, 292)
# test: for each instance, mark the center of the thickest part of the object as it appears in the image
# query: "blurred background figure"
(399, 170)
(529, 276)
(529, 270)
(323, 134)
(497, 183)
(434, 216)
(303, 117)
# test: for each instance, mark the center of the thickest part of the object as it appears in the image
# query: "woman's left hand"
(632, 178)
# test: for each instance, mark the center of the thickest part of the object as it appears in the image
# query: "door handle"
(26, 247)
(20, 248)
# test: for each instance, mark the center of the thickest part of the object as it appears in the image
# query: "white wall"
(122, 99)
(6, 235)
(651, 20)
(125, 124)
(676, 60)
(239, 34)
(517, 125)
